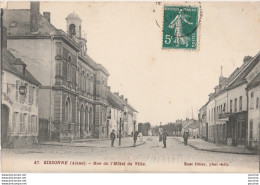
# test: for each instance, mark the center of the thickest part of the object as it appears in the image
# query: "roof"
(255, 82)
(73, 16)
(112, 100)
(238, 76)
(192, 124)
(124, 103)
(17, 22)
(245, 69)
(10, 63)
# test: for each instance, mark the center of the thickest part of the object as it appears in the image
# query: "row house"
(115, 113)
(129, 117)
(253, 89)
(19, 120)
(227, 108)
(203, 126)
(73, 96)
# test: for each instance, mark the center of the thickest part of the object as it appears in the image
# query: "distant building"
(115, 113)
(129, 119)
(193, 127)
(203, 128)
(19, 118)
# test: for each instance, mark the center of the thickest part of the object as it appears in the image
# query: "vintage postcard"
(130, 87)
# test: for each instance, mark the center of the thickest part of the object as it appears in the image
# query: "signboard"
(22, 90)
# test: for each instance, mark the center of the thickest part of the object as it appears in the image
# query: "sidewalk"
(200, 144)
(126, 142)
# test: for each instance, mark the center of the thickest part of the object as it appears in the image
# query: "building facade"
(73, 98)
(20, 120)
(73, 95)
(227, 109)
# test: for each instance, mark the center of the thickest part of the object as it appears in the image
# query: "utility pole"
(120, 125)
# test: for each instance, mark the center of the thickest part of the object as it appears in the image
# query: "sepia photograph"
(130, 87)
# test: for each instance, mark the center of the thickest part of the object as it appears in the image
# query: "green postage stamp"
(180, 27)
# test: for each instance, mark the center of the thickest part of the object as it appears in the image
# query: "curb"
(92, 146)
(209, 150)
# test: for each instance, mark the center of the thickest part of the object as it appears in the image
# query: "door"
(4, 125)
(235, 130)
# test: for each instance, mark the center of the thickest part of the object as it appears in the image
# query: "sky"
(162, 85)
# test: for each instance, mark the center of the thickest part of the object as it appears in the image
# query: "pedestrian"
(185, 137)
(164, 137)
(112, 137)
(135, 137)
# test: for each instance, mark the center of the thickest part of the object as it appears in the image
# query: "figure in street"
(164, 137)
(185, 137)
(112, 137)
(135, 137)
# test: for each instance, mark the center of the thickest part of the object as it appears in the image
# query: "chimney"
(34, 15)
(247, 58)
(126, 100)
(122, 97)
(4, 37)
(47, 16)
(116, 93)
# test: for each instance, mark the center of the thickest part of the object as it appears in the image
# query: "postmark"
(180, 27)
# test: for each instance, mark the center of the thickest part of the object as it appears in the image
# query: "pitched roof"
(112, 100)
(254, 82)
(10, 63)
(192, 124)
(17, 22)
(244, 71)
(124, 103)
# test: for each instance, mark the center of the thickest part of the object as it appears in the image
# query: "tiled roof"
(244, 71)
(113, 101)
(10, 63)
(254, 82)
(17, 22)
(238, 76)
(124, 103)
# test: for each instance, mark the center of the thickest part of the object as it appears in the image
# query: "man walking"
(164, 137)
(185, 137)
(135, 137)
(112, 137)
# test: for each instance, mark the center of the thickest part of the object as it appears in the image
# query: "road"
(149, 157)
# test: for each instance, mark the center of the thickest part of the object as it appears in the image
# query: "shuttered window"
(17, 90)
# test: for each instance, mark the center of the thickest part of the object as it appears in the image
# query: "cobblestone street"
(175, 158)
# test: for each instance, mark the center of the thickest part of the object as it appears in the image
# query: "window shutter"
(37, 94)
(17, 90)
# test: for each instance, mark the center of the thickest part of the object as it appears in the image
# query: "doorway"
(4, 125)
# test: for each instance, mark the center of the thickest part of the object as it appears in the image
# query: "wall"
(23, 116)
(254, 116)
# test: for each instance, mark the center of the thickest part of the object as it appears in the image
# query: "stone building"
(73, 96)
(129, 117)
(19, 120)
(253, 91)
(115, 113)
(227, 109)
(203, 127)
